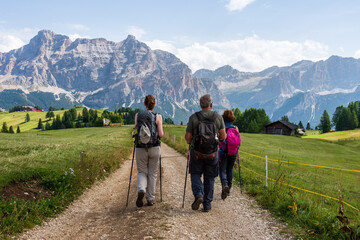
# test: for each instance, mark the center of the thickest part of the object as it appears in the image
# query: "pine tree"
(18, 130)
(308, 126)
(86, 116)
(300, 125)
(11, 130)
(27, 117)
(253, 127)
(354, 120)
(47, 126)
(40, 125)
(4, 128)
(336, 115)
(285, 118)
(325, 123)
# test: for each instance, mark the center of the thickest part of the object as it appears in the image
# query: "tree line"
(251, 120)
(22, 108)
(344, 118)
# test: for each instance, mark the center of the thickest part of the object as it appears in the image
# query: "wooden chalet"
(281, 128)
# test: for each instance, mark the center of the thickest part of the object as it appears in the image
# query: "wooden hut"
(281, 128)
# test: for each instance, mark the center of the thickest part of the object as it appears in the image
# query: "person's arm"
(188, 137)
(222, 131)
(222, 134)
(159, 125)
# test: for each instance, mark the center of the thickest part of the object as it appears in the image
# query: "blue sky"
(249, 35)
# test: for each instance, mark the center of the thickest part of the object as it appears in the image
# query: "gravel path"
(100, 212)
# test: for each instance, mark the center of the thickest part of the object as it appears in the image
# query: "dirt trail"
(100, 212)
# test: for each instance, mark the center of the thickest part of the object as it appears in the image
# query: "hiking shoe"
(225, 191)
(139, 200)
(150, 203)
(206, 209)
(196, 204)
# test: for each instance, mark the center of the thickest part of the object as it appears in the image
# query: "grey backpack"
(146, 132)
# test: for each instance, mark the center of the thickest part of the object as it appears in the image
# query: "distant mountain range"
(301, 91)
(54, 71)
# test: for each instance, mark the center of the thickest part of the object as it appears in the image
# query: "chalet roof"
(287, 124)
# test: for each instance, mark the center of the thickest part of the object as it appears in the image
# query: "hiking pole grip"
(132, 164)
(186, 173)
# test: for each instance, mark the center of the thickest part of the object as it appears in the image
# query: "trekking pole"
(160, 181)
(132, 164)
(187, 169)
(239, 172)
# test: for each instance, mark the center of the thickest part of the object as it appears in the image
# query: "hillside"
(16, 119)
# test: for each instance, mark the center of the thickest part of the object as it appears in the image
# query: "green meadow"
(16, 119)
(336, 136)
(62, 163)
(300, 163)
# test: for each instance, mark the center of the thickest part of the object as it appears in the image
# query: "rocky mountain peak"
(227, 69)
(130, 38)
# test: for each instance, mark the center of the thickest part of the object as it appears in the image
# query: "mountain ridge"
(104, 74)
(107, 75)
(274, 87)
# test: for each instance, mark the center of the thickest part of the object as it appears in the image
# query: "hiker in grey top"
(148, 131)
(204, 156)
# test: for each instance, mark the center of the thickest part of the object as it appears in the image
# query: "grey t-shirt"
(194, 122)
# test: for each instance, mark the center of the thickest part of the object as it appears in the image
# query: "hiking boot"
(225, 191)
(139, 200)
(150, 203)
(196, 204)
(206, 209)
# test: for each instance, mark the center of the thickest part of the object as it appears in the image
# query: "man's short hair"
(206, 101)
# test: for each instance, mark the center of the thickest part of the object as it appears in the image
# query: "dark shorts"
(210, 168)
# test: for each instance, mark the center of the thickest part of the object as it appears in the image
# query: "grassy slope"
(16, 119)
(338, 135)
(299, 150)
(46, 155)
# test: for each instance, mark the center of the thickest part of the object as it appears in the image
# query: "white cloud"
(163, 45)
(238, 5)
(136, 31)
(9, 42)
(75, 36)
(357, 54)
(15, 38)
(248, 54)
(79, 27)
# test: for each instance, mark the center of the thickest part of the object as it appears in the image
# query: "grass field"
(63, 162)
(286, 155)
(338, 135)
(16, 119)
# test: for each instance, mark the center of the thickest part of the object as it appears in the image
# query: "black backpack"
(206, 141)
(146, 128)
